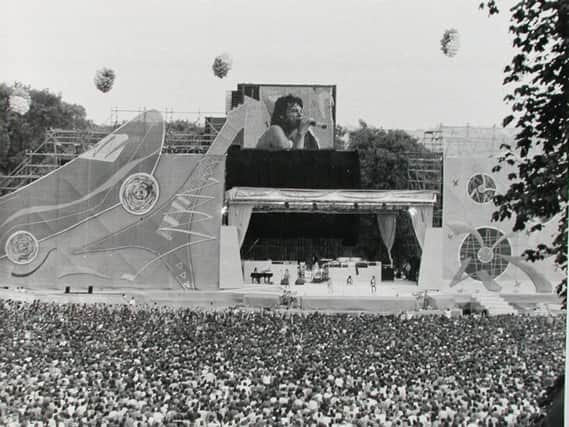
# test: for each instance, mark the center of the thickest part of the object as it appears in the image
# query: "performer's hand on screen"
(305, 123)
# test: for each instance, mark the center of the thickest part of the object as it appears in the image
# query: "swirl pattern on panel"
(22, 247)
(139, 193)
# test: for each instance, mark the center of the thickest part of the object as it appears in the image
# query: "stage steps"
(494, 303)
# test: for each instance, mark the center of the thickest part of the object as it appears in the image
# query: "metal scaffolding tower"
(61, 145)
(425, 170)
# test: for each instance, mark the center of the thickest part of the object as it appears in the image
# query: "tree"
(538, 82)
(341, 138)
(383, 158)
(538, 78)
(19, 133)
(185, 126)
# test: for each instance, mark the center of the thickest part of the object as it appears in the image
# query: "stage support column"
(230, 274)
(239, 217)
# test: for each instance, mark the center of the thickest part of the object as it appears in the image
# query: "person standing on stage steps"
(290, 129)
(372, 285)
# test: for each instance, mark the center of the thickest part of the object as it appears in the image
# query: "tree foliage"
(383, 158)
(538, 82)
(19, 133)
(341, 137)
(185, 126)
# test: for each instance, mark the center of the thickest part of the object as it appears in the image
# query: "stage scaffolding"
(58, 147)
(467, 140)
(425, 172)
(62, 145)
(425, 168)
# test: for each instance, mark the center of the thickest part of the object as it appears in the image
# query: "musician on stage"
(290, 129)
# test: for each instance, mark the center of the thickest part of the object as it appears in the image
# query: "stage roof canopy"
(347, 201)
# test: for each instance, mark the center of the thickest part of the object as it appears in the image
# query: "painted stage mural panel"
(479, 253)
(120, 215)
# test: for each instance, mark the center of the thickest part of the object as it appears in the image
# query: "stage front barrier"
(442, 302)
(388, 305)
(262, 300)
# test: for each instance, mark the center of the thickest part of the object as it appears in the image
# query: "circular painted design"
(485, 255)
(139, 193)
(22, 247)
(489, 256)
(481, 188)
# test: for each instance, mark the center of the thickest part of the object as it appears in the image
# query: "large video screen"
(318, 104)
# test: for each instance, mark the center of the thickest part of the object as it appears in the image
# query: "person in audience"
(100, 364)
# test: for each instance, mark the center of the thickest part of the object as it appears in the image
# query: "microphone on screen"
(318, 125)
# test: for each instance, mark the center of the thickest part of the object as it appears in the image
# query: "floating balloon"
(450, 43)
(19, 101)
(104, 79)
(221, 65)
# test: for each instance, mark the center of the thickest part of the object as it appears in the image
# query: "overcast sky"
(383, 55)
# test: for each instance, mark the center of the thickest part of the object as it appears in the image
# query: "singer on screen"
(290, 129)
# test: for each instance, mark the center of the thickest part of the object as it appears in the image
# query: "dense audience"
(149, 366)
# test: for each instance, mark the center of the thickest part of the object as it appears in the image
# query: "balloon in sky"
(104, 79)
(19, 101)
(450, 43)
(221, 65)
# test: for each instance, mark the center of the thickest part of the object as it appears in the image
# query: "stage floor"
(383, 289)
(391, 297)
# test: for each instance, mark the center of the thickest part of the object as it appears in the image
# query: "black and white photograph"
(284, 213)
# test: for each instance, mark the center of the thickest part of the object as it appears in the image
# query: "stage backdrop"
(120, 215)
(312, 169)
(478, 253)
(327, 169)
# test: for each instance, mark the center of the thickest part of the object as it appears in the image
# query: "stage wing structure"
(122, 214)
(480, 254)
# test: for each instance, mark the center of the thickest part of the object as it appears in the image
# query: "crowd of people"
(132, 365)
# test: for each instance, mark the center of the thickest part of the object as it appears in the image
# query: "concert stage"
(179, 229)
